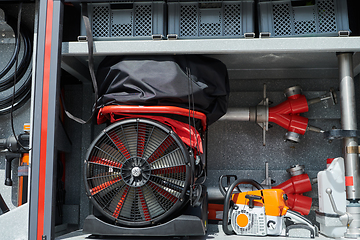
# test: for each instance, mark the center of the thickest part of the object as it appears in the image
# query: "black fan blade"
(106, 151)
(168, 183)
(161, 149)
(155, 208)
(105, 162)
(141, 131)
(104, 185)
(119, 144)
(143, 204)
(174, 157)
(163, 192)
(169, 170)
(121, 202)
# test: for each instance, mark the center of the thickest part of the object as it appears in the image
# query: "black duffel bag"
(164, 81)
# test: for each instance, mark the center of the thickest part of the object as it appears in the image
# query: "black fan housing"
(137, 173)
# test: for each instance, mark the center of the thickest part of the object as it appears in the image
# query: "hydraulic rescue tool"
(262, 212)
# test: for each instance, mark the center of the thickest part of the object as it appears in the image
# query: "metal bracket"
(264, 35)
(157, 37)
(172, 36)
(265, 125)
(82, 38)
(249, 35)
(7, 34)
(339, 133)
(353, 149)
(344, 33)
(331, 95)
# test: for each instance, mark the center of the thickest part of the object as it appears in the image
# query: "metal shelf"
(216, 46)
(308, 57)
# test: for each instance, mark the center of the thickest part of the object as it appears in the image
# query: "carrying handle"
(301, 3)
(121, 6)
(222, 188)
(210, 5)
(252, 198)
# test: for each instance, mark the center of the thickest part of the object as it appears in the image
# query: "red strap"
(129, 109)
(180, 128)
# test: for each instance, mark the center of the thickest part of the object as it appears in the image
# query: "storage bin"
(298, 18)
(124, 20)
(215, 19)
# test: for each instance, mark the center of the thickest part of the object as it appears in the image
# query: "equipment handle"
(332, 201)
(8, 159)
(222, 188)
(251, 199)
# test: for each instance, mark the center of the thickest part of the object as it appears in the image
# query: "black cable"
(193, 115)
(192, 108)
(192, 162)
(14, 86)
(189, 100)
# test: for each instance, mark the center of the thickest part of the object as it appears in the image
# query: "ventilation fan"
(138, 176)
(144, 172)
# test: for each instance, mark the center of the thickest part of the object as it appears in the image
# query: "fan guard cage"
(137, 173)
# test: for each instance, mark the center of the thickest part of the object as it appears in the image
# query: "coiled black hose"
(22, 94)
(11, 62)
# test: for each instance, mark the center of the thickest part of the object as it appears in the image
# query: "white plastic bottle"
(334, 178)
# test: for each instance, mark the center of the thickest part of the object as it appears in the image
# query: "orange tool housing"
(272, 199)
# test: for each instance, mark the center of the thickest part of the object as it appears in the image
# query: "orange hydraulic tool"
(262, 212)
(271, 212)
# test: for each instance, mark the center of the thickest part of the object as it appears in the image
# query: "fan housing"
(137, 173)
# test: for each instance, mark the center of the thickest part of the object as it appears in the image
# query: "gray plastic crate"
(286, 18)
(124, 20)
(215, 19)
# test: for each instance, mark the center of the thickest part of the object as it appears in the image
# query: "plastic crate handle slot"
(210, 5)
(122, 6)
(302, 3)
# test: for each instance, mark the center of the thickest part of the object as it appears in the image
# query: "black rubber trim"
(330, 215)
